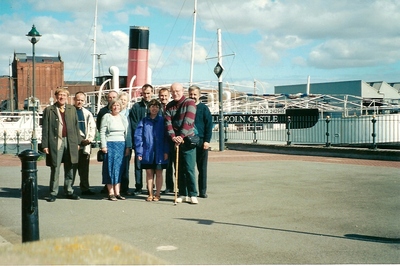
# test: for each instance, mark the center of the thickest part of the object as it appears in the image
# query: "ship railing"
(375, 130)
(16, 127)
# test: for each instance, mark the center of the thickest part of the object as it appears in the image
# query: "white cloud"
(299, 61)
(185, 53)
(272, 47)
(77, 6)
(322, 35)
(354, 53)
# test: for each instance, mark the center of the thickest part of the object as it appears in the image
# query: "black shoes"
(51, 198)
(88, 193)
(167, 190)
(127, 193)
(203, 196)
(73, 197)
(138, 191)
(104, 190)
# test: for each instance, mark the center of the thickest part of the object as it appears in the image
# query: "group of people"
(154, 131)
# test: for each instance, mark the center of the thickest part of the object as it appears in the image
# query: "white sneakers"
(182, 199)
(192, 200)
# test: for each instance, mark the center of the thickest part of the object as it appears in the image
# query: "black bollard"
(255, 130)
(288, 142)
(5, 142)
(17, 142)
(225, 128)
(374, 146)
(30, 210)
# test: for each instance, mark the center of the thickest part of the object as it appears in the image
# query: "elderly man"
(179, 119)
(87, 129)
(60, 142)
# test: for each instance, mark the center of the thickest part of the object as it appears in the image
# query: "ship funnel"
(138, 56)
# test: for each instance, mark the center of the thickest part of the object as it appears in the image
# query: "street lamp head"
(33, 35)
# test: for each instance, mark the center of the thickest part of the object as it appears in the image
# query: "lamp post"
(328, 119)
(218, 71)
(33, 37)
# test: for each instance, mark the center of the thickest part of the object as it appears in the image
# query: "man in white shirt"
(87, 129)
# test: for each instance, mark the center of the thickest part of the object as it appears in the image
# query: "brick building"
(4, 88)
(49, 75)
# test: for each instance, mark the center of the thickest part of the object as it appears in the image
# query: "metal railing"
(370, 131)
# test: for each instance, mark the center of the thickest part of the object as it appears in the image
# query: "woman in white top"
(124, 99)
(115, 143)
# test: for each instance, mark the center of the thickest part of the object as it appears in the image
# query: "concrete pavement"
(262, 209)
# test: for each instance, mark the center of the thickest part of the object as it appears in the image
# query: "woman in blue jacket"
(152, 147)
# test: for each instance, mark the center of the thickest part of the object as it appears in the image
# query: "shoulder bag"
(100, 155)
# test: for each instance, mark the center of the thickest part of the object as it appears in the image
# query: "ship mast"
(193, 42)
(94, 46)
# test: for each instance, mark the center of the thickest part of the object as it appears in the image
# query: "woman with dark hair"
(152, 147)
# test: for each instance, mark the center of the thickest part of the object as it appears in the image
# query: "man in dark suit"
(112, 95)
(203, 125)
(60, 142)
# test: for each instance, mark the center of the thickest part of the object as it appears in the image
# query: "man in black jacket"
(203, 124)
(137, 113)
(112, 95)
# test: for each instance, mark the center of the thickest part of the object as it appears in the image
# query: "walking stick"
(176, 174)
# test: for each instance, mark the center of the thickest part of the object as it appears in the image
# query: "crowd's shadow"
(43, 193)
(357, 237)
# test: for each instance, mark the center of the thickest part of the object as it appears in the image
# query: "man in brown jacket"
(60, 142)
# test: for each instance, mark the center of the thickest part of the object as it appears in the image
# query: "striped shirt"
(180, 116)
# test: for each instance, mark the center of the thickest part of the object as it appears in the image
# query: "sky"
(264, 43)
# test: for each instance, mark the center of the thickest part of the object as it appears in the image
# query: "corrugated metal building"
(360, 88)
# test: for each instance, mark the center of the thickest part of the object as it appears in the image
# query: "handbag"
(192, 141)
(100, 156)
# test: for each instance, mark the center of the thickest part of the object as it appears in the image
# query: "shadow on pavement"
(347, 236)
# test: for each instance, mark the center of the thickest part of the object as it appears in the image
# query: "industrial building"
(359, 88)
(49, 75)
